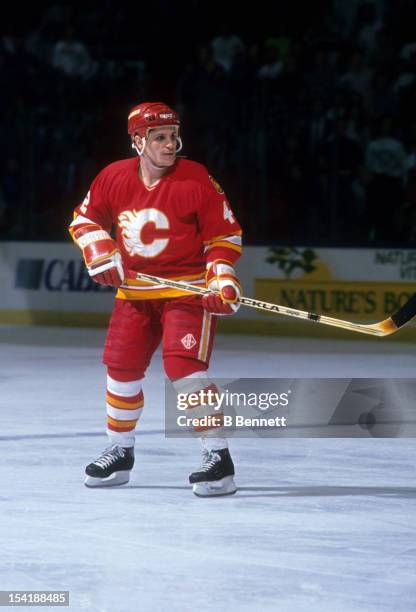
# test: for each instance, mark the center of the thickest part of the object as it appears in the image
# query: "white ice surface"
(317, 525)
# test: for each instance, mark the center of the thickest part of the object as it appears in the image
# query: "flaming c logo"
(132, 223)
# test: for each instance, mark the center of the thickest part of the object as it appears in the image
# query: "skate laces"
(110, 456)
(209, 460)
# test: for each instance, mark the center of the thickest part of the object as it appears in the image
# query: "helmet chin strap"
(141, 153)
(136, 148)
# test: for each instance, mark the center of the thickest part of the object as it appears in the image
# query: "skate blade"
(225, 486)
(115, 480)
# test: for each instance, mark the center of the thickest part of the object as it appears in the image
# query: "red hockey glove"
(101, 254)
(221, 278)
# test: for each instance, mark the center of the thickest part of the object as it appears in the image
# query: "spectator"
(358, 78)
(272, 64)
(370, 27)
(225, 46)
(385, 159)
(72, 57)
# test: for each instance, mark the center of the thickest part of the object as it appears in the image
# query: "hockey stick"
(384, 328)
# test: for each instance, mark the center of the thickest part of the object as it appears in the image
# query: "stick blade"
(397, 319)
(385, 328)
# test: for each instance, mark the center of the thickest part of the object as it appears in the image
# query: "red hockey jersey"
(171, 229)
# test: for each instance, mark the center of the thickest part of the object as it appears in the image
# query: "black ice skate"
(112, 468)
(215, 476)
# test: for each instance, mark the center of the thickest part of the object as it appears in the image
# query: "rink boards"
(47, 283)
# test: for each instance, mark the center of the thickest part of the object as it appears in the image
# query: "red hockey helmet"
(149, 115)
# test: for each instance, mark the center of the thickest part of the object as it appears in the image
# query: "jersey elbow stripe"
(223, 243)
(235, 237)
(80, 219)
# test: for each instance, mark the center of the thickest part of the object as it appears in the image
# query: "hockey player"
(172, 219)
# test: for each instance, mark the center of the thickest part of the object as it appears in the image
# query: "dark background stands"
(304, 111)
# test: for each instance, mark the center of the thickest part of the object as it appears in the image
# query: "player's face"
(161, 146)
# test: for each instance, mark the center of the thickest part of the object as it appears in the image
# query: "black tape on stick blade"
(405, 313)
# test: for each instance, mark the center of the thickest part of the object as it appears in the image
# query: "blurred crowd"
(304, 113)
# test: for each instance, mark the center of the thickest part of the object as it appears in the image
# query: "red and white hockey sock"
(124, 408)
(210, 418)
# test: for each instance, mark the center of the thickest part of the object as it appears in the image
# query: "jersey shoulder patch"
(216, 185)
(199, 173)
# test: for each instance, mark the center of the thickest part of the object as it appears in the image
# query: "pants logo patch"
(188, 341)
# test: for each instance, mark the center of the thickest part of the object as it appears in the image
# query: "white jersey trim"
(79, 219)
